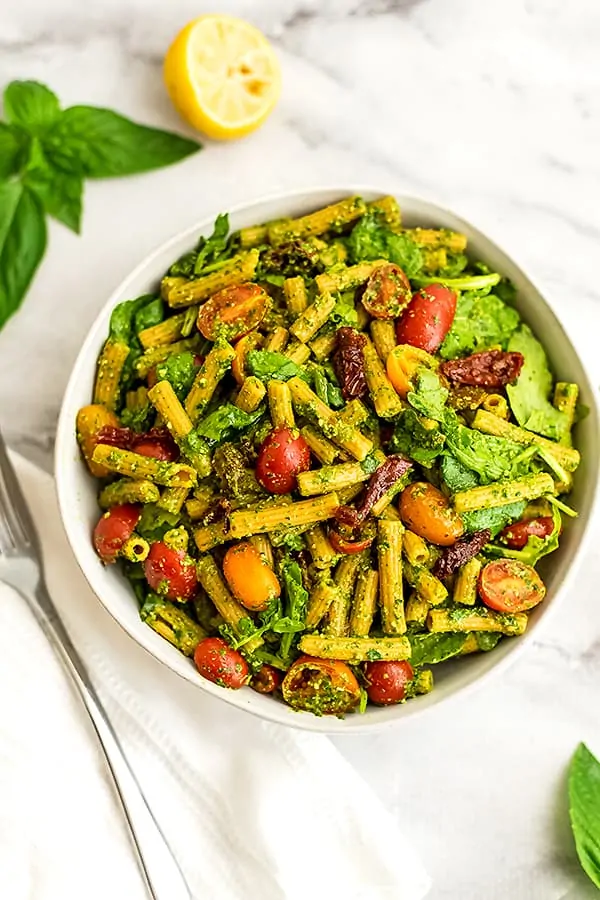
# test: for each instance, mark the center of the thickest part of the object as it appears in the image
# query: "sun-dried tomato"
(349, 363)
(295, 257)
(452, 558)
(116, 437)
(388, 473)
(490, 369)
(218, 511)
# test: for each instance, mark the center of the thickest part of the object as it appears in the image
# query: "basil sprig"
(584, 808)
(45, 155)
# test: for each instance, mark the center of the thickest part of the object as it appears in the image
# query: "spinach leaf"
(495, 519)
(480, 322)
(22, 244)
(529, 397)
(31, 105)
(226, 421)
(212, 248)
(429, 397)
(372, 239)
(122, 319)
(13, 150)
(535, 547)
(268, 364)
(455, 475)
(584, 810)
(412, 438)
(151, 314)
(99, 143)
(486, 640)
(324, 389)
(179, 370)
(428, 649)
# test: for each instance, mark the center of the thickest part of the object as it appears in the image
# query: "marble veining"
(490, 108)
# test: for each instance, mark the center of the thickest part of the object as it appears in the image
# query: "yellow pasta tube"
(172, 499)
(173, 624)
(345, 579)
(364, 603)
(386, 401)
(324, 450)
(209, 536)
(355, 649)
(415, 549)
(417, 609)
(438, 237)
(332, 478)
(389, 210)
(253, 236)
(319, 602)
(313, 318)
(335, 216)
(294, 292)
(235, 615)
(566, 395)
(166, 332)
(297, 352)
(345, 278)
(165, 401)
(280, 404)
(383, 335)
(107, 388)
(277, 340)
(90, 421)
(262, 545)
(135, 549)
(126, 462)
(244, 522)
(481, 619)
(502, 492)
(389, 553)
(308, 404)
(319, 546)
(251, 394)
(156, 355)
(323, 346)
(128, 491)
(214, 367)
(425, 584)
(496, 404)
(491, 424)
(465, 583)
(180, 292)
(354, 413)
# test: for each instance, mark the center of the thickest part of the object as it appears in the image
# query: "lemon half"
(222, 76)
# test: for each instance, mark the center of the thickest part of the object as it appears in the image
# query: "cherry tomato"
(510, 586)
(251, 341)
(387, 680)
(283, 455)
(342, 544)
(233, 312)
(266, 680)
(402, 364)
(387, 292)
(321, 686)
(170, 572)
(515, 536)
(428, 318)
(115, 528)
(220, 663)
(249, 578)
(156, 448)
(427, 512)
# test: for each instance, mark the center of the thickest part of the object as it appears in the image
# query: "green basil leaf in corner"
(22, 244)
(31, 105)
(100, 143)
(13, 150)
(584, 809)
(61, 192)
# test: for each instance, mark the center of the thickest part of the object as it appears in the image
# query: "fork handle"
(162, 875)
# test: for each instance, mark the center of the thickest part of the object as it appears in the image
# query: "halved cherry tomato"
(249, 578)
(266, 680)
(283, 455)
(156, 448)
(251, 341)
(233, 312)
(427, 512)
(115, 528)
(428, 318)
(387, 680)
(515, 536)
(387, 292)
(321, 686)
(510, 586)
(342, 544)
(220, 663)
(402, 364)
(170, 572)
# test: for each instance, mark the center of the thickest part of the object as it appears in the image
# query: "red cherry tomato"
(387, 680)
(233, 312)
(219, 663)
(510, 586)
(283, 455)
(266, 680)
(170, 572)
(387, 292)
(114, 528)
(515, 536)
(428, 318)
(342, 545)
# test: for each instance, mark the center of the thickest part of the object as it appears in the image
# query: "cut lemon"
(222, 76)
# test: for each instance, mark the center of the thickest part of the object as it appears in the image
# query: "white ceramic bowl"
(77, 489)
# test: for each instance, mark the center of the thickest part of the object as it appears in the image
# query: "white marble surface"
(491, 108)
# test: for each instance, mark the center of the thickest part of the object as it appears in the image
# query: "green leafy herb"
(179, 370)
(427, 649)
(123, 319)
(268, 364)
(487, 640)
(150, 314)
(297, 601)
(372, 239)
(225, 422)
(429, 397)
(456, 476)
(455, 264)
(529, 397)
(535, 547)
(480, 322)
(139, 419)
(495, 519)
(415, 440)
(211, 249)
(584, 810)
(344, 312)
(155, 522)
(46, 153)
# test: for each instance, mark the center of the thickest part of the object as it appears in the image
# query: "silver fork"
(21, 567)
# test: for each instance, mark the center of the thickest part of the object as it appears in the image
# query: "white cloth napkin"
(251, 809)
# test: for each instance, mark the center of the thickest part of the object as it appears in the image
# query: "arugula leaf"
(31, 105)
(212, 248)
(226, 421)
(184, 266)
(428, 649)
(22, 244)
(99, 143)
(268, 364)
(584, 810)
(529, 397)
(61, 192)
(297, 600)
(179, 370)
(495, 519)
(535, 547)
(480, 322)
(151, 314)
(13, 150)
(412, 438)
(372, 239)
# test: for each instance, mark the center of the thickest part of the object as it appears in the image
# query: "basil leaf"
(212, 248)
(61, 192)
(22, 244)
(225, 422)
(151, 314)
(584, 810)
(31, 105)
(99, 143)
(13, 148)
(428, 649)
(179, 370)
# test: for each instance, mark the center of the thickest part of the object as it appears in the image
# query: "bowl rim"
(282, 714)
